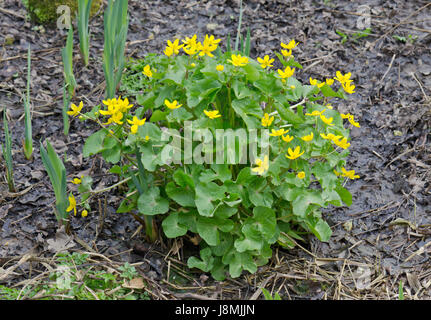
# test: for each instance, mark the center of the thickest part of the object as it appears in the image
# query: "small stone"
(348, 225)
(9, 40)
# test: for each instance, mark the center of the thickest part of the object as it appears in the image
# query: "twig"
(399, 24)
(387, 71)
(12, 13)
(399, 156)
(420, 85)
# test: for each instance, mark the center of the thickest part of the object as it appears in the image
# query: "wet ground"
(384, 237)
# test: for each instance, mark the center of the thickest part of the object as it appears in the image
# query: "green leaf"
(183, 179)
(197, 91)
(268, 85)
(180, 195)
(252, 71)
(241, 261)
(151, 203)
(172, 226)
(223, 172)
(207, 262)
(301, 203)
(319, 228)
(176, 73)
(158, 115)
(94, 143)
(250, 111)
(264, 222)
(345, 195)
(205, 194)
(226, 243)
(287, 114)
(308, 91)
(112, 151)
(257, 229)
(241, 90)
(328, 92)
(128, 204)
(208, 228)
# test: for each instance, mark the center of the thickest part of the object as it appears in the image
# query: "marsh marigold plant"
(237, 209)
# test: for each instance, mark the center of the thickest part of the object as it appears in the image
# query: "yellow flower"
(212, 114)
(287, 73)
(353, 122)
(220, 67)
(173, 47)
(266, 120)
(191, 50)
(314, 82)
(308, 138)
(292, 87)
(211, 41)
(291, 45)
(84, 213)
(147, 71)
(188, 42)
(349, 174)
(326, 120)
(301, 175)
(76, 181)
(341, 143)
(293, 154)
(286, 53)
(238, 60)
(172, 105)
(345, 116)
(147, 138)
(277, 133)
(168, 51)
(265, 62)
(75, 110)
(262, 166)
(348, 87)
(72, 204)
(342, 78)
(136, 123)
(287, 138)
(330, 82)
(116, 108)
(330, 136)
(329, 107)
(209, 45)
(193, 64)
(351, 119)
(315, 113)
(115, 118)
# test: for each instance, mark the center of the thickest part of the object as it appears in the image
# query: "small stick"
(420, 85)
(389, 68)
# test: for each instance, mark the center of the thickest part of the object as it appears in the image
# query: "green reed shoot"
(239, 27)
(141, 185)
(57, 174)
(7, 154)
(66, 102)
(116, 23)
(67, 54)
(28, 139)
(84, 7)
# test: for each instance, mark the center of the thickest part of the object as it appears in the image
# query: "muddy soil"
(384, 237)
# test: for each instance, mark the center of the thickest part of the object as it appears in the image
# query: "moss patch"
(45, 11)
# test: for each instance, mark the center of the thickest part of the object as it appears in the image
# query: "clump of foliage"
(45, 11)
(237, 208)
(76, 279)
